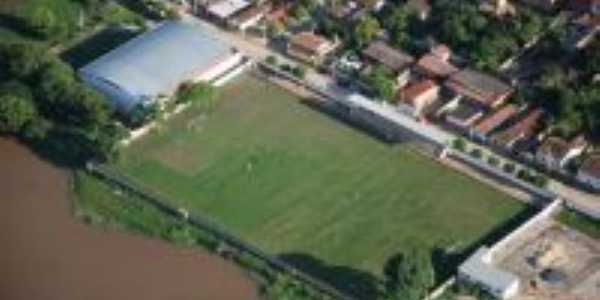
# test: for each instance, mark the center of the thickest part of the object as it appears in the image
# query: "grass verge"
(581, 223)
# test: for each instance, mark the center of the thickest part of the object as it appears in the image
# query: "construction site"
(555, 263)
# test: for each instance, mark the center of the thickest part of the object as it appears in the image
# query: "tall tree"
(382, 83)
(366, 30)
(15, 113)
(411, 278)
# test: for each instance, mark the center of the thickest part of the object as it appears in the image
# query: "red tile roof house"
(309, 47)
(277, 14)
(492, 121)
(482, 88)
(397, 61)
(435, 64)
(523, 129)
(464, 115)
(418, 96)
(589, 173)
(555, 152)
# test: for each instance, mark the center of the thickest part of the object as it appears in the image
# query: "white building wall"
(242, 26)
(219, 68)
(511, 291)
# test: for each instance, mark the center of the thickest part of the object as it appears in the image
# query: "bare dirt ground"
(559, 263)
(46, 254)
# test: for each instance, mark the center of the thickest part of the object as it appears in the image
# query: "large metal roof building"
(155, 63)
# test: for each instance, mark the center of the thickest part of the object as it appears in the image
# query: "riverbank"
(47, 254)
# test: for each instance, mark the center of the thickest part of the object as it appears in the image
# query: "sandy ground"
(46, 254)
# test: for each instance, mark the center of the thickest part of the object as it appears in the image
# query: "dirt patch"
(557, 262)
(46, 254)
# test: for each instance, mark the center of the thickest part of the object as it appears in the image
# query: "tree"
(411, 278)
(299, 71)
(275, 29)
(21, 60)
(284, 287)
(15, 113)
(366, 30)
(198, 93)
(44, 22)
(381, 82)
(509, 167)
(300, 12)
(142, 114)
(459, 144)
(398, 25)
(271, 60)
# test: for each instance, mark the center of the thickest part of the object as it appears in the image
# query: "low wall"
(529, 226)
(234, 72)
(496, 172)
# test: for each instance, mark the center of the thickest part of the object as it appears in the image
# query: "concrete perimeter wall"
(525, 230)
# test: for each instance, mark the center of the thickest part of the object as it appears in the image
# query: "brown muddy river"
(46, 254)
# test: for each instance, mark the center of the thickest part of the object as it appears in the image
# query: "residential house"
(223, 10)
(278, 14)
(588, 27)
(546, 5)
(498, 8)
(247, 18)
(435, 64)
(479, 87)
(464, 115)
(585, 6)
(373, 5)
(525, 128)
(418, 96)
(393, 59)
(309, 47)
(422, 8)
(589, 173)
(555, 152)
(493, 121)
(342, 11)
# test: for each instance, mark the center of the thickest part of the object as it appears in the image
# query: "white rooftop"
(226, 8)
(478, 268)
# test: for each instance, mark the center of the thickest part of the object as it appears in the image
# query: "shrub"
(459, 144)
(540, 180)
(476, 153)
(509, 167)
(196, 92)
(493, 161)
(299, 71)
(271, 60)
(285, 67)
